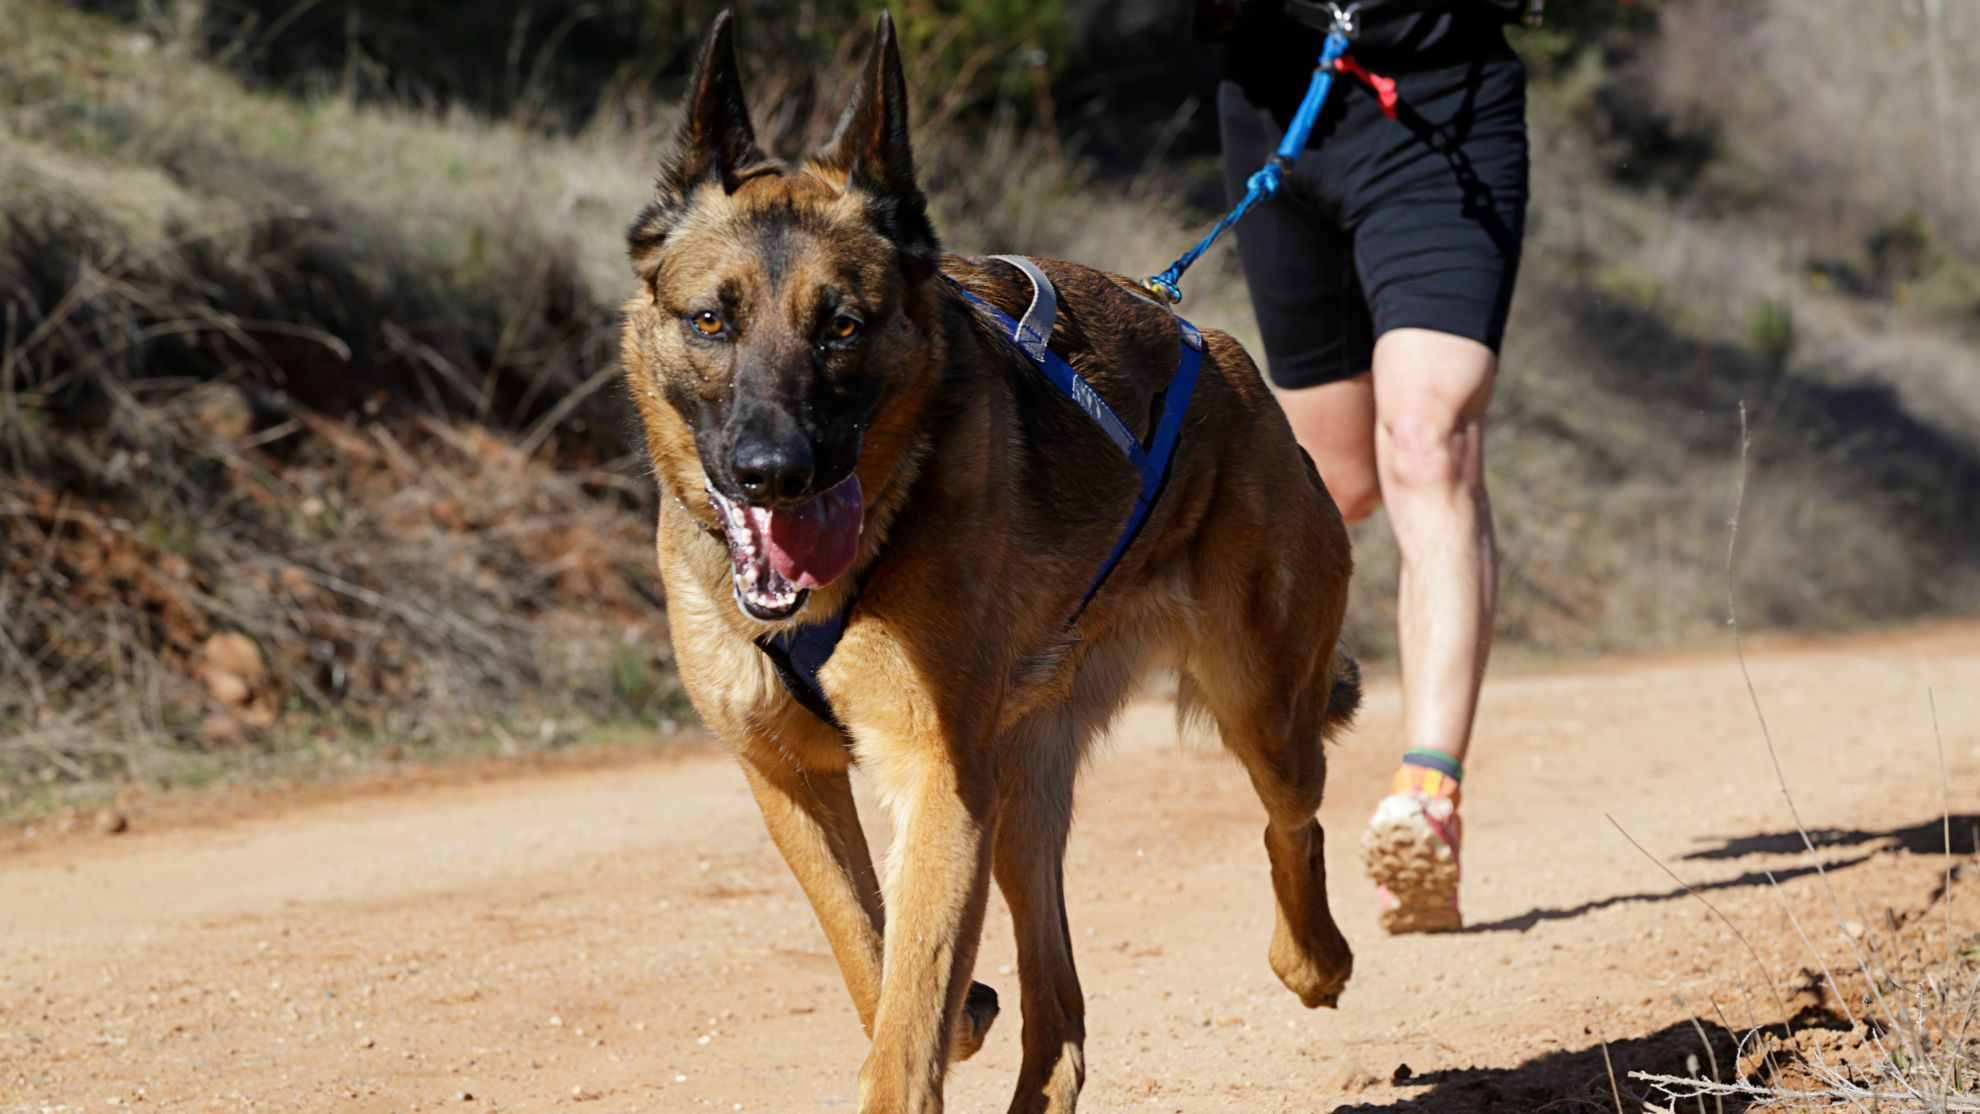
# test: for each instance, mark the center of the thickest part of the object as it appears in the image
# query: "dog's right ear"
(716, 143)
(872, 151)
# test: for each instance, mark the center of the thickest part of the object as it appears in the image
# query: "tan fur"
(990, 504)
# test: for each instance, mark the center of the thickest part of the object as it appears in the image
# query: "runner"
(1381, 275)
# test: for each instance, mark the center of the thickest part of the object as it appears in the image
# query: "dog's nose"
(772, 471)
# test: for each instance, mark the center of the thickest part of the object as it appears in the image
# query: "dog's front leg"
(813, 821)
(943, 798)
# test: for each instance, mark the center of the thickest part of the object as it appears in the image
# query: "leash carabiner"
(1347, 20)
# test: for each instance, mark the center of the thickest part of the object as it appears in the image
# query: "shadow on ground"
(1928, 838)
(1533, 917)
(1564, 1080)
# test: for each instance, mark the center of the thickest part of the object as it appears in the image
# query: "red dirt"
(625, 938)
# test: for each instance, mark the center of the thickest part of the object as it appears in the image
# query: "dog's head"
(783, 321)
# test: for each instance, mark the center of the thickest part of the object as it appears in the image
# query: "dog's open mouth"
(778, 554)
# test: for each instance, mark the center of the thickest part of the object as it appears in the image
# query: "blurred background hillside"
(312, 455)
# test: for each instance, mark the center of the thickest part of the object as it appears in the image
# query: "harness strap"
(796, 654)
(1150, 460)
(1033, 332)
(1034, 329)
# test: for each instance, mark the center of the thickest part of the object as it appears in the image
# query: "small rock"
(1401, 1075)
(579, 1094)
(112, 822)
(366, 1042)
(464, 1096)
(236, 653)
(227, 688)
(1854, 928)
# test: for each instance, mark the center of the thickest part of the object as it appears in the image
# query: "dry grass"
(1908, 1004)
(330, 378)
(1901, 1031)
(337, 375)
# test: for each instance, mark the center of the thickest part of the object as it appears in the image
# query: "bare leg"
(1335, 424)
(1431, 394)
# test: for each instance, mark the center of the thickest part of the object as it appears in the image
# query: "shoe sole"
(1421, 874)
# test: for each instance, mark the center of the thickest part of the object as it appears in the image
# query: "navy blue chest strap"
(797, 654)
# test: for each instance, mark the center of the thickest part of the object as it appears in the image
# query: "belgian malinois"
(842, 434)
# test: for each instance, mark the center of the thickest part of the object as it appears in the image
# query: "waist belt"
(1349, 18)
(798, 653)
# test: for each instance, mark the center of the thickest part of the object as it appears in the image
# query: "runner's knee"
(1426, 451)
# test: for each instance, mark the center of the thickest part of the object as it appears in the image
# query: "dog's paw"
(979, 1010)
(1317, 973)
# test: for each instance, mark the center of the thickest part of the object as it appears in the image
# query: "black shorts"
(1384, 224)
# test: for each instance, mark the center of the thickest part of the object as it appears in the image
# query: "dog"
(853, 445)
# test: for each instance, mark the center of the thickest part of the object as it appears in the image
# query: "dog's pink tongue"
(814, 543)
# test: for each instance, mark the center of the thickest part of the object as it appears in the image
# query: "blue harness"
(799, 653)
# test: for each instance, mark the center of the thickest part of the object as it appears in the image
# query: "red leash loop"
(1384, 87)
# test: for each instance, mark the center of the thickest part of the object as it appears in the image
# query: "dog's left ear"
(716, 142)
(871, 147)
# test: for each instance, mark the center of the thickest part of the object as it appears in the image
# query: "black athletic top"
(1272, 54)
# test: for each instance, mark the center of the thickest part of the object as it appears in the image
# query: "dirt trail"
(627, 939)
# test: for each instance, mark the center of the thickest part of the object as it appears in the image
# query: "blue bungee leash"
(1266, 181)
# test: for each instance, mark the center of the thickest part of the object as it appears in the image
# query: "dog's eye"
(843, 327)
(708, 323)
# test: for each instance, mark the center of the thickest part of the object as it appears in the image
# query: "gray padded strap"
(1035, 327)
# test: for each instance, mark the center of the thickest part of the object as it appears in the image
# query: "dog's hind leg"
(1040, 763)
(1277, 737)
(1262, 660)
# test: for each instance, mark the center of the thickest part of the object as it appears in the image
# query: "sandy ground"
(627, 939)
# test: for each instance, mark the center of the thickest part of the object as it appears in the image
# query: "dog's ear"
(871, 148)
(716, 143)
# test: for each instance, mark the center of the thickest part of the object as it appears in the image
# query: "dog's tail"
(1343, 700)
(1345, 697)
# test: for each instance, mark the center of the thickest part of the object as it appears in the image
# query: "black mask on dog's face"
(786, 310)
